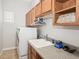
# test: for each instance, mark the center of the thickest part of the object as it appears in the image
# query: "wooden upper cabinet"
(77, 10)
(66, 12)
(46, 5)
(33, 14)
(38, 10)
(28, 18)
(61, 10)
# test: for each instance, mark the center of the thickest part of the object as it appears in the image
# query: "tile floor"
(9, 55)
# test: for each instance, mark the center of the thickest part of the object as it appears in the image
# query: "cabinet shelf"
(66, 9)
(68, 24)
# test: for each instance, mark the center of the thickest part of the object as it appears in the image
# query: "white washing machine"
(23, 35)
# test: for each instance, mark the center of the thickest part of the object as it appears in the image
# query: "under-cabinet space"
(66, 17)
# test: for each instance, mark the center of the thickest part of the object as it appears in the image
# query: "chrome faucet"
(46, 37)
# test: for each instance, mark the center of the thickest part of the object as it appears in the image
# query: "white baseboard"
(12, 48)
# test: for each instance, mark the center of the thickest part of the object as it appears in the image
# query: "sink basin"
(39, 43)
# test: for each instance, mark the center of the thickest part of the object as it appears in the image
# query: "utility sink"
(39, 43)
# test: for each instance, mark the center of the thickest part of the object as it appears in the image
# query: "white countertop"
(39, 43)
(50, 52)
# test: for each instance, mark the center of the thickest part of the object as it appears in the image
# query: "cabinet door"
(38, 10)
(33, 57)
(77, 10)
(32, 54)
(38, 56)
(46, 5)
(29, 52)
(32, 15)
(28, 19)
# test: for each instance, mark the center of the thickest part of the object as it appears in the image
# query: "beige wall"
(19, 8)
(1, 24)
(64, 33)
